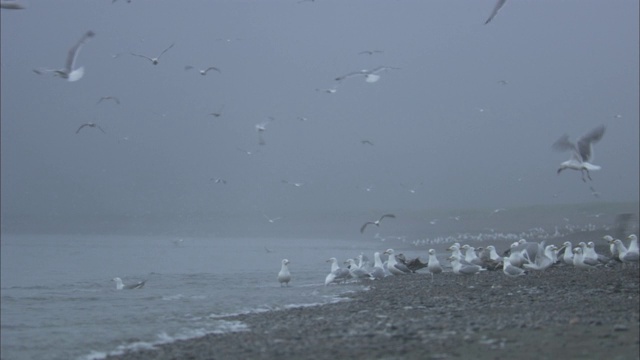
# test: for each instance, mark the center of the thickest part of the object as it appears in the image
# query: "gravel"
(562, 312)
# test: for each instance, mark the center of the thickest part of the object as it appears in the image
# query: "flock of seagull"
(521, 257)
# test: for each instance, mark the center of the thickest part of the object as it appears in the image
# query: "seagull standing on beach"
(495, 10)
(70, 72)
(120, 285)
(154, 60)
(394, 267)
(284, 276)
(378, 268)
(510, 270)
(377, 222)
(628, 255)
(337, 273)
(581, 151)
(433, 266)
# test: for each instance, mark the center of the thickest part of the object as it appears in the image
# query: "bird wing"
(73, 52)
(80, 128)
(354, 73)
(585, 142)
(165, 50)
(496, 8)
(101, 129)
(212, 68)
(563, 144)
(142, 56)
(387, 215)
(382, 68)
(365, 225)
(188, 67)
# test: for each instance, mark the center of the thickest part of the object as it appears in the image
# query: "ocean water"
(58, 300)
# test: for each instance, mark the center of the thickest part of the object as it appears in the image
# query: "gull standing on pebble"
(511, 270)
(70, 72)
(581, 151)
(433, 266)
(337, 273)
(154, 60)
(284, 276)
(394, 267)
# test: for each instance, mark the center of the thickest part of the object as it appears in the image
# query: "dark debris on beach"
(562, 312)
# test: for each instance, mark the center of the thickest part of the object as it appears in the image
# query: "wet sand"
(561, 313)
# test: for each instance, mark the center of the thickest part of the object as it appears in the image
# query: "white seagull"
(581, 151)
(70, 72)
(203, 72)
(154, 60)
(120, 285)
(262, 127)
(270, 219)
(394, 267)
(377, 222)
(370, 76)
(433, 266)
(496, 8)
(284, 276)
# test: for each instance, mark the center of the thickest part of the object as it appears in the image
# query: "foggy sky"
(441, 125)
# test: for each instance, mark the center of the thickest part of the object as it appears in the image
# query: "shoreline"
(562, 312)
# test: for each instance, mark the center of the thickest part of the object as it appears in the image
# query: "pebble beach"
(562, 312)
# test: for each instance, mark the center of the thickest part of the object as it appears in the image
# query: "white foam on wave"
(222, 327)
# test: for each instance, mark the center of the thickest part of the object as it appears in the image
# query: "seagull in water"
(90, 125)
(377, 222)
(370, 76)
(496, 8)
(69, 72)
(120, 285)
(154, 60)
(284, 276)
(581, 151)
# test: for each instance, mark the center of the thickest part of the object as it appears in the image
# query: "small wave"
(221, 327)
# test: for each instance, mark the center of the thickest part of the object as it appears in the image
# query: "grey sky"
(442, 124)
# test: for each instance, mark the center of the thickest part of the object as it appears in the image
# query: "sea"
(58, 300)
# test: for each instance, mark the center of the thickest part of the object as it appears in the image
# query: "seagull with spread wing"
(154, 60)
(581, 151)
(377, 222)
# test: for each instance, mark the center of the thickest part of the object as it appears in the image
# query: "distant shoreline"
(344, 224)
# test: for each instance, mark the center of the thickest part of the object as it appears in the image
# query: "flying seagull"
(90, 125)
(296, 184)
(370, 52)
(109, 98)
(270, 219)
(217, 113)
(370, 76)
(496, 8)
(581, 151)
(203, 71)
(154, 60)
(69, 72)
(377, 222)
(366, 142)
(262, 127)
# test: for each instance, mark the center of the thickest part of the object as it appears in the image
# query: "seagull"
(595, 193)
(262, 127)
(510, 270)
(337, 273)
(246, 152)
(433, 266)
(356, 272)
(581, 151)
(627, 255)
(284, 276)
(203, 71)
(120, 285)
(270, 219)
(154, 60)
(217, 113)
(496, 8)
(378, 269)
(218, 180)
(109, 98)
(568, 253)
(366, 142)
(578, 260)
(296, 184)
(90, 125)
(370, 76)
(377, 222)
(69, 72)
(503, 82)
(329, 90)
(394, 267)
(370, 52)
